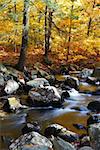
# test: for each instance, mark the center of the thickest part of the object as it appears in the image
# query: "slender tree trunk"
(90, 21)
(70, 29)
(46, 34)
(15, 32)
(49, 28)
(22, 58)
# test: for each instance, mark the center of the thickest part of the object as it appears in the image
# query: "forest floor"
(37, 55)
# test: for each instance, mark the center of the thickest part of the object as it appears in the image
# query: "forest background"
(61, 31)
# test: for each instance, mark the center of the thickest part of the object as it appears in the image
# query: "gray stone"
(35, 147)
(3, 68)
(45, 95)
(2, 82)
(34, 140)
(37, 82)
(96, 72)
(86, 73)
(60, 144)
(94, 133)
(86, 148)
(58, 130)
(71, 81)
(11, 86)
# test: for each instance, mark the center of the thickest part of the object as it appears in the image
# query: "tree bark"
(22, 58)
(48, 28)
(15, 19)
(90, 21)
(46, 33)
(70, 29)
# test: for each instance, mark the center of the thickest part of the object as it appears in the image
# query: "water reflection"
(11, 125)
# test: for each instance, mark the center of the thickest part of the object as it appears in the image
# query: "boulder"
(42, 73)
(51, 79)
(35, 147)
(96, 73)
(37, 82)
(58, 130)
(2, 81)
(86, 148)
(11, 86)
(32, 140)
(94, 106)
(2, 68)
(95, 118)
(60, 144)
(13, 104)
(93, 81)
(84, 140)
(72, 82)
(45, 96)
(70, 93)
(34, 74)
(29, 127)
(86, 73)
(79, 108)
(94, 133)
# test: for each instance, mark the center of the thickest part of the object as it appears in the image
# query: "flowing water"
(11, 125)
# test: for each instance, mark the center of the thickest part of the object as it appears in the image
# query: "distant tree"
(22, 58)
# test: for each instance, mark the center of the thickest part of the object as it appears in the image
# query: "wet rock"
(79, 108)
(64, 70)
(86, 148)
(84, 140)
(11, 87)
(70, 93)
(95, 118)
(51, 79)
(45, 96)
(96, 73)
(94, 133)
(54, 89)
(32, 139)
(37, 82)
(79, 126)
(34, 74)
(72, 82)
(97, 92)
(60, 144)
(58, 130)
(86, 73)
(93, 81)
(35, 147)
(42, 73)
(12, 104)
(2, 68)
(2, 81)
(94, 106)
(29, 127)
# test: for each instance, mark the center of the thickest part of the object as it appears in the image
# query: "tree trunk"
(46, 33)
(90, 21)
(15, 30)
(70, 28)
(22, 58)
(48, 27)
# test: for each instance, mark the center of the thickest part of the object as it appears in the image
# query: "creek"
(11, 125)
